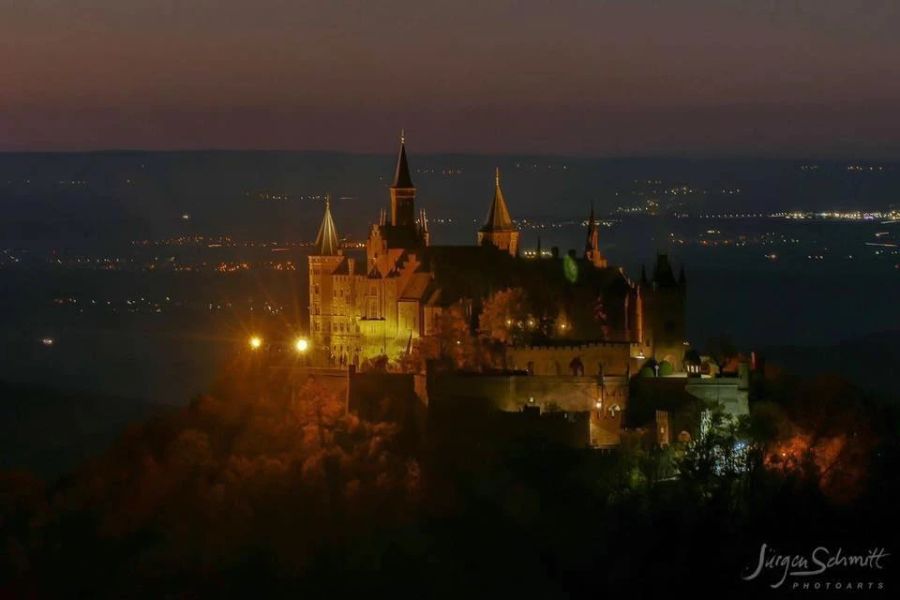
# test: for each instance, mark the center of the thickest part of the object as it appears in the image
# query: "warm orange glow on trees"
(258, 463)
(505, 317)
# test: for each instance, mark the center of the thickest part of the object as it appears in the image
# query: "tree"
(721, 349)
(450, 340)
(506, 317)
(720, 458)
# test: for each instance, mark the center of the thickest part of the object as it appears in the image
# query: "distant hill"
(49, 431)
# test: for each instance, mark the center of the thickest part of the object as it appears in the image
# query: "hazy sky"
(639, 77)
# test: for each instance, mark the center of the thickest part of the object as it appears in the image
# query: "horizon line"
(585, 157)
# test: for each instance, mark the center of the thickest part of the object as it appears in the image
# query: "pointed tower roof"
(498, 218)
(401, 173)
(327, 242)
(591, 228)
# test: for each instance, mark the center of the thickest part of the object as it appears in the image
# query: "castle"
(582, 354)
(592, 318)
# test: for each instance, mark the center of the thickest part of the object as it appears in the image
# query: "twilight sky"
(603, 78)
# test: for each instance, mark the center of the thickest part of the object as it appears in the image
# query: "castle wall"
(609, 358)
(601, 401)
(729, 391)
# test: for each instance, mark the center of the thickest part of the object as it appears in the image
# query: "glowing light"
(255, 342)
(47, 341)
(301, 345)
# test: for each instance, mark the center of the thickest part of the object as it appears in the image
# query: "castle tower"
(663, 324)
(498, 229)
(403, 192)
(423, 227)
(592, 245)
(324, 261)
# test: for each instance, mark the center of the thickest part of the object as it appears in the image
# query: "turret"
(422, 224)
(498, 229)
(663, 300)
(592, 245)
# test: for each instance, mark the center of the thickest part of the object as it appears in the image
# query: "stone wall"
(610, 358)
(601, 401)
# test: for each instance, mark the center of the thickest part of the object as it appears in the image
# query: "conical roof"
(327, 242)
(498, 218)
(401, 173)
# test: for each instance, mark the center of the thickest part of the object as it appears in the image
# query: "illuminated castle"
(387, 302)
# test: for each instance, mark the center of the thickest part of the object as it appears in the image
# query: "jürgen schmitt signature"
(820, 560)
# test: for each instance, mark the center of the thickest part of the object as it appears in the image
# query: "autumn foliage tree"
(506, 316)
(451, 340)
(259, 464)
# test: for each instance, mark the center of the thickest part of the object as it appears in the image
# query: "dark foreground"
(250, 492)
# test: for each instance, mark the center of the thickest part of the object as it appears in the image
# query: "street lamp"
(255, 342)
(301, 345)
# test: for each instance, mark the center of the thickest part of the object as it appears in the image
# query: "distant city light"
(47, 341)
(255, 342)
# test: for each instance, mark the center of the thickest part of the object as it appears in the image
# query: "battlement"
(574, 346)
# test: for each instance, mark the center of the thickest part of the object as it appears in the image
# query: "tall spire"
(498, 218)
(401, 173)
(403, 194)
(327, 242)
(592, 233)
(592, 244)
